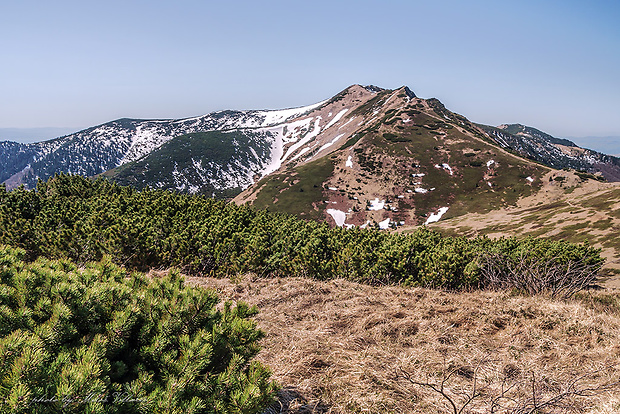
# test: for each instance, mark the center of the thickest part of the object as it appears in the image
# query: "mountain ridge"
(405, 161)
(557, 153)
(117, 142)
(367, 156)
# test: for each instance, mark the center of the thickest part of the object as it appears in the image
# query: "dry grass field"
(342, 347)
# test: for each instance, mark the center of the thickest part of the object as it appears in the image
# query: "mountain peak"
(409, 92)
(373, 88)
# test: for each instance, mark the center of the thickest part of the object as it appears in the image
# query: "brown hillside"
(394, 159)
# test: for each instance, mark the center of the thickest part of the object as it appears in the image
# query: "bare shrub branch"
(537, 275)
(527, 393)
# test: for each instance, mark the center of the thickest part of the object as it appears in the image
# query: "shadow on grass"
(290, 401)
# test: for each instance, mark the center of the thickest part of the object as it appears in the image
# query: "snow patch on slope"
(349, 162)
(445, 167)
(338, 216)
(280, 116)
(336, 118)
(385, 224)
(332, 142)
(346, 123)
(304, 140)
(376, 204)
(300, 153)
(434, 217)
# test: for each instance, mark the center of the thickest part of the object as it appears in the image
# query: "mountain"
(366, 156)
(215, 163)
(554, 152)
(390, 158)
(98, 149)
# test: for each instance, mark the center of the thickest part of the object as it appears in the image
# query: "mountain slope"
(213, 163)
(104, 147)
(254, 149)
(398, 160)
(568, 207)
(14, 158)
(554, 152)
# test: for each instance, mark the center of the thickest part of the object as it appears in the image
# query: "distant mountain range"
(554, 152)
(367, 155)
(607, 145)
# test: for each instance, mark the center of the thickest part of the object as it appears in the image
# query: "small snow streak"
(338, 216)
(347, 123)
(336, 118)
(376, 205)
(385, 224)
(300, 153)
(434, 217)
(445, 167)
(332, 142)
(349, 162)
(279, 116)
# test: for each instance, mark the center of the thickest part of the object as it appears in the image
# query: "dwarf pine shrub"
(98, 340)
(84, 220)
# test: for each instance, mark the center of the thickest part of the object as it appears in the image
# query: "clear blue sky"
(554, 65)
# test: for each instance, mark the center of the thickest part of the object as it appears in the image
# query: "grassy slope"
(337, 347)
(297, 191)
(567, 209)
(467, 189)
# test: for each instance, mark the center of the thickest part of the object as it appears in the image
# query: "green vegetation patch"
(298, 191)
(189, 160)
(587, 176)
(352, 141)
(83, 220)
(395, 137)
(606, 201)
(98, 340)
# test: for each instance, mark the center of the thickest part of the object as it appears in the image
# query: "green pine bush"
(96, 339)
(84, 220)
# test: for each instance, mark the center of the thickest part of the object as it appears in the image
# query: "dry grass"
(341, 347)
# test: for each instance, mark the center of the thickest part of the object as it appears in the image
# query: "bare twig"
(537, 275)
(523, 395)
